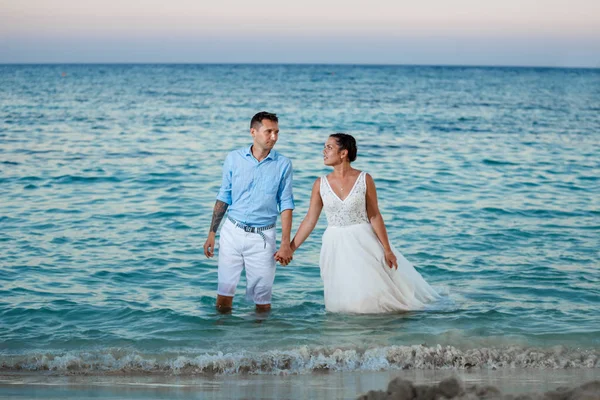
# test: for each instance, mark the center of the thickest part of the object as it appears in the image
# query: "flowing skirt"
(357, 279)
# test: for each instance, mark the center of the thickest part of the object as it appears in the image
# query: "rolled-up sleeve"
(285, 197)
(225, 190)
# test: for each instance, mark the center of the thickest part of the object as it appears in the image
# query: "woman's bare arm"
(312, 216)
(377, 222)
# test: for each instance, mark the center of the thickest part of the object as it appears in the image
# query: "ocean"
(488, 180)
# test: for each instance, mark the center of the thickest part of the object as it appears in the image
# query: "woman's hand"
(390, 259)
(284, 255)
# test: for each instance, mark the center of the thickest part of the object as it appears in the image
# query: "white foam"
(304, 360)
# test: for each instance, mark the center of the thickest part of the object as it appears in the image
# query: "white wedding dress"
(355, 275)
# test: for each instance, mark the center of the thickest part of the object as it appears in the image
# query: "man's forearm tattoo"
(218, 213)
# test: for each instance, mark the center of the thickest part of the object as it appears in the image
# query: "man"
(257, 185)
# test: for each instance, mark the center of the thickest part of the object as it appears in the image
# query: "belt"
(253, 229)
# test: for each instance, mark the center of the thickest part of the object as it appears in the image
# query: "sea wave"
(301, 360)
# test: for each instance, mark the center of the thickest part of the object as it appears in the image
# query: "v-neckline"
(349, 193)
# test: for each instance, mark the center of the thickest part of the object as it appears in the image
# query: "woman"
(361, 271)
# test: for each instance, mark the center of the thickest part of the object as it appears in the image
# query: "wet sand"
(338, 385)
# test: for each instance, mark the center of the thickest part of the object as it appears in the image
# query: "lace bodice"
(351, 211)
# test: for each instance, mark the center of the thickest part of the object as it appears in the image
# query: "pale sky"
(465, 32)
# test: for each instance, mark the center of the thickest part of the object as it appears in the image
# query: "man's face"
(266, 135)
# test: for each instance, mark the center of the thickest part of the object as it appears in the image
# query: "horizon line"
(42, 63)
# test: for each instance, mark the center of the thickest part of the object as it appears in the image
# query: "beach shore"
(338, 385)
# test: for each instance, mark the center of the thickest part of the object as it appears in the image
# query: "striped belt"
(253, 229)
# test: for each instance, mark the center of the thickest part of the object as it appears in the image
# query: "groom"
(257, 185)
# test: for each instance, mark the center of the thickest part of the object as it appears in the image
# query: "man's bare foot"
(263, 308)
(224, 304)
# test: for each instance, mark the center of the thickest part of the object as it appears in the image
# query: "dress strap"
(362, 176)
(323, 183)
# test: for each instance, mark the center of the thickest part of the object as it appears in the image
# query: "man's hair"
(346, 142)
(256, 121)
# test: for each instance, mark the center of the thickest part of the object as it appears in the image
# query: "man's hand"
(218, 214)
(209, 245)
(284, 255)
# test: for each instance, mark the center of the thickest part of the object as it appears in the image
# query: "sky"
(439, 32)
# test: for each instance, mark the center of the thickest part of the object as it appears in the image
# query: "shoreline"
(331, 385)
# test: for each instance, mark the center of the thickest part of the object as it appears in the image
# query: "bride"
(361, 271)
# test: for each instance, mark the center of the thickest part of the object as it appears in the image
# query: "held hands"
(284, 255)
(390, 259)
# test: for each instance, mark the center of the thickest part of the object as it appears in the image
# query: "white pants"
(238, 250)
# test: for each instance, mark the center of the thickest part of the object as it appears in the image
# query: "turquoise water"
(488, 179)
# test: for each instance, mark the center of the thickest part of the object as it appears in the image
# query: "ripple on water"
(106, 203)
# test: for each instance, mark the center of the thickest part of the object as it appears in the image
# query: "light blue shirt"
(256, 191)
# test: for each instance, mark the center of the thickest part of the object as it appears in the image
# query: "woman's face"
(331, 152)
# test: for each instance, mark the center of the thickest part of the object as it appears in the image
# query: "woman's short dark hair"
(257, 120)
(346, 142)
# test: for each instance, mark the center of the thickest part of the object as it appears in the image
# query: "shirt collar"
(271, 154)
